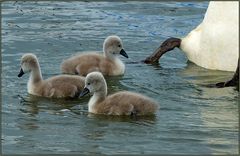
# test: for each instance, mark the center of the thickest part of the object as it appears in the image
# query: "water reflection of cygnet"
(32, 105)
(138, 120)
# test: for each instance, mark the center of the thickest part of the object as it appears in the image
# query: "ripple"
(191, 114)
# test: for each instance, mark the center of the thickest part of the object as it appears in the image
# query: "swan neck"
(110, 55)
(36, 75)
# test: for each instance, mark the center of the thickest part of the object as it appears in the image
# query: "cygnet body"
(107, 63)
(60, 86)
(121, 103)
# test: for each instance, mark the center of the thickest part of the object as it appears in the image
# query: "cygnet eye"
(119, 45)
(88, 83)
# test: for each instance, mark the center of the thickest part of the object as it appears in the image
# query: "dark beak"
(123, 53)
(84, 92)
(20, 73)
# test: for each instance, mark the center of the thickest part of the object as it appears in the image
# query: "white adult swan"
(214, 43)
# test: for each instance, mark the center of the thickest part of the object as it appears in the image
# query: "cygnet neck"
(36, 75)
(97, 97)
(101, 93)
(110, 55)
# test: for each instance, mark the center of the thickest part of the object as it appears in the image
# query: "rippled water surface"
(192, 118)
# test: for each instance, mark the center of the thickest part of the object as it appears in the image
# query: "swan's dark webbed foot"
(231, 83)
(166, 46)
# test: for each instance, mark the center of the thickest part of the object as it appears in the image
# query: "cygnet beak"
(84, 92)
(123, 53)
(20, 73)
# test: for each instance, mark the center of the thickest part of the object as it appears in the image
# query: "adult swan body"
(213, 44)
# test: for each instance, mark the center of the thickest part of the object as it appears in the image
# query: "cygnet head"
(28, 63)
(95, 83)
(113, 46)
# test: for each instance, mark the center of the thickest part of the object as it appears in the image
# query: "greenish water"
(192, 117)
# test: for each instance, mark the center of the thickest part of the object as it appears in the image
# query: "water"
(192, 117)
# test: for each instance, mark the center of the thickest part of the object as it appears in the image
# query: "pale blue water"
(192, 119)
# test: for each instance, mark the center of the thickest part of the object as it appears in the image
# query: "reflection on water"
(191, 114)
